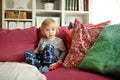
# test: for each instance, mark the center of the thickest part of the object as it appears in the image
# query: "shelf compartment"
(84, 18)
(10, 14)
(11, 4)
(40, 5)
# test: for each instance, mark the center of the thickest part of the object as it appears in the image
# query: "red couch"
(13, 44)
(73, 74)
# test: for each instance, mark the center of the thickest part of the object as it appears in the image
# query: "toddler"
(50, 51)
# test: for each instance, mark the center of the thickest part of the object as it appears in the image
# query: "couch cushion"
(73, 74)
(13, 43)
(104, 56)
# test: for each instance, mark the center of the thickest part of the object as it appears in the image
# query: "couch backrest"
(62, 34)
(13, 43)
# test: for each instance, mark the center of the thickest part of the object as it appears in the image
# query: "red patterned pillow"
(69, 32)
(83, 38)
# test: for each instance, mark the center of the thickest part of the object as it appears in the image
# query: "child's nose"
(50, 31)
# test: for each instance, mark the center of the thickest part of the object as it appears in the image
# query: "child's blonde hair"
(46, 23)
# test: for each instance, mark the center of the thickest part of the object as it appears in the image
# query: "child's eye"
(53, 29)
(47, 29)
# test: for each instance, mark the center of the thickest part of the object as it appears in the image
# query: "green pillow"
(104, 56)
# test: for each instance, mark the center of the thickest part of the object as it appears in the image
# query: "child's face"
(50, 32)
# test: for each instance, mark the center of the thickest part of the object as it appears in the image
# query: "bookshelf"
(17, 15)
(64, 11)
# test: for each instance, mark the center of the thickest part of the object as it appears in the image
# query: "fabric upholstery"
(13, 43)
(19, 71)
(73, 74)
(83, 38)
(104, 56)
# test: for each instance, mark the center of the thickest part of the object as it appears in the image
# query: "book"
(72, 5)
(81, 5)
(75, 5)
(86, 5)
(67, 4)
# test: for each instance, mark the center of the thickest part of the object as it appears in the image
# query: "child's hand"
(52, 66)
(59, 62)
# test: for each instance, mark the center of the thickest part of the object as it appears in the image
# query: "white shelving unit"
(36, 9)
(10, 18)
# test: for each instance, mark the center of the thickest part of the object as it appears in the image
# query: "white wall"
(103, 10)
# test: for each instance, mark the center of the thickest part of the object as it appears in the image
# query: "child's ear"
(57, 31)
(41, 32)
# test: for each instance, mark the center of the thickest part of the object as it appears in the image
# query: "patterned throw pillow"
(83, 38)
(90, 26)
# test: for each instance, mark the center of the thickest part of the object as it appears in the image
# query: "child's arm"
(62, 49)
